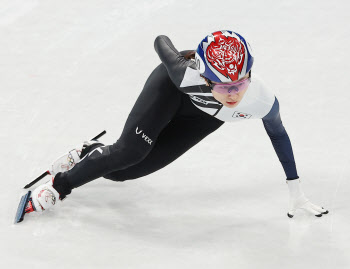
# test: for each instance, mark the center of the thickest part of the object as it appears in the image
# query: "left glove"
(297, 200)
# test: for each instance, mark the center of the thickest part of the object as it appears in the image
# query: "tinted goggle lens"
(231, 88)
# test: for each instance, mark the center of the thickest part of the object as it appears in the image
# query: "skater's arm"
(174, 61)
(280, 141)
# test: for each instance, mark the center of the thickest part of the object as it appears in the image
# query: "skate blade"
(21, 207)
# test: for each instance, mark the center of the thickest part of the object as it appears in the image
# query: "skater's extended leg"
(156, 106)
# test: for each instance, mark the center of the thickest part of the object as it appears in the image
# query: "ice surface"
(70, 69)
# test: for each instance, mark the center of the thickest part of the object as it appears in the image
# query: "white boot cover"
(44, 197)
(67, 161)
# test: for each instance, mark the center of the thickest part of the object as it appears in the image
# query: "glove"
(297, 200)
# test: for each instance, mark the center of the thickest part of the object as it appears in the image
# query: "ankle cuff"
(61, 185)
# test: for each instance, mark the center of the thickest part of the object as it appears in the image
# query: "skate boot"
(46, 195)
(42, 198)
(67, 161)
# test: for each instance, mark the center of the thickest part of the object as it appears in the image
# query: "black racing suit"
(162, 125)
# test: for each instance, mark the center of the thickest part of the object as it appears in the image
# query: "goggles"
(230, 88)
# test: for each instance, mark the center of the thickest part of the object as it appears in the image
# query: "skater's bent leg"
(156, 106)
(180, 135)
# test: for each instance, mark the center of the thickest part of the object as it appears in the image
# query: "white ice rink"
(70, 69)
